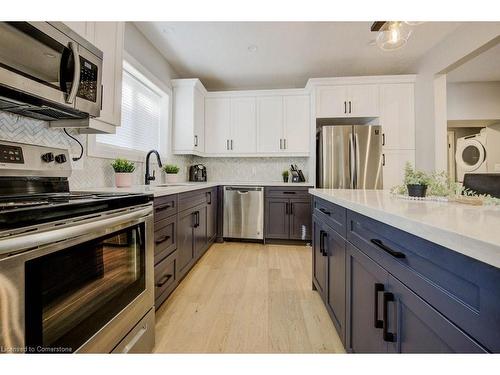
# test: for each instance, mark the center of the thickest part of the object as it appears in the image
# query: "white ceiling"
(484, 67)
(288, 53)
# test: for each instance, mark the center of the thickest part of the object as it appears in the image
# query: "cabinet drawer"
(165, 207)
(284, 192)
(464, 290)
(165, 278)
(165, 237)
(193, 198)
(332, 214)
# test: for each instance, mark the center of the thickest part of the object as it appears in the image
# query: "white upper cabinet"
(297, 123)
(331, 101)
(347, 101)
(363, 101)
(188, 117)
(217, 125)
(270, 124)
(108, 37)
(397, 116)
(243, 126)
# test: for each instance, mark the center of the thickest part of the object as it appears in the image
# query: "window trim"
(103, 150)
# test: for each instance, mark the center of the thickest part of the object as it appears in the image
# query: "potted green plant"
(123, 172)
(416, 181)
(285, 174)
(171, 170)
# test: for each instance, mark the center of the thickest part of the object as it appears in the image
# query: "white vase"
(123, 179)
(171, 178)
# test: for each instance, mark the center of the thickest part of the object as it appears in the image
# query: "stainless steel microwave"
(49, 72)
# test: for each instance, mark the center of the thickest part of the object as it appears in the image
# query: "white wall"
(465, 40)
(143, 51)
(473, 100)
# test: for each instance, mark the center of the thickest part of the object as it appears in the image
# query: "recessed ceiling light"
(252, 48)
(168, 30)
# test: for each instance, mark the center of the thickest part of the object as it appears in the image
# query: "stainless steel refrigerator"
(349, 157)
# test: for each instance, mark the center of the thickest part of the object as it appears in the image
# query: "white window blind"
(144, 108)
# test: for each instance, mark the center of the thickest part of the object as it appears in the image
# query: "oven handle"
(35, 239)
(76, 74)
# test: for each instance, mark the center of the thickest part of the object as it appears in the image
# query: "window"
(144, 117)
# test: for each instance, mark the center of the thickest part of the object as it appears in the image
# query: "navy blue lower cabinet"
(335, 297)
(413, 326)
(319, 258)
(365, 283)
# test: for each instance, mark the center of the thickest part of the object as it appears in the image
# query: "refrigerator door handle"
(352, 161)
(357, 158)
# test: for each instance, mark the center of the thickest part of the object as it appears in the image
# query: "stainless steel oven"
(76, 285)
(48, 72)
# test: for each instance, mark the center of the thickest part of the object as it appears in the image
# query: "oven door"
(83, 290)
(40, 65)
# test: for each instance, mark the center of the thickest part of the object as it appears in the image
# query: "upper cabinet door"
(331, 101)
(243, 126)
(363, 101)
(270, 124)
(397, 116)
(218, 125)
(108, 37)
(82, 28)
(297, 124)
(199, 121)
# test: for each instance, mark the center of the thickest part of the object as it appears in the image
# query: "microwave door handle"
(70, 99)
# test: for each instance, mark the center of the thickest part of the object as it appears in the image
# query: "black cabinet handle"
(197, 218)
(383, 139)
(162, 239)
(383, 160)
(163, 208)
(387, 249)
(345, 107)
(289, 192)
(286, 208)
(291, 208)
(388, 336)
(322, 249)
(163, 280)
(209, 197)
(349, 106)
(377, 322)
(325, 211)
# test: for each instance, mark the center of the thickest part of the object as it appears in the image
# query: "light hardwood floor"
(247, 298)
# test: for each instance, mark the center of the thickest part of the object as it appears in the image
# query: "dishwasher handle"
(243, 189)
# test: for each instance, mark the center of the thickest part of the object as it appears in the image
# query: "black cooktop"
(18, 211)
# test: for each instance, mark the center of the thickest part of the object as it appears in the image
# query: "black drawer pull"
(377, 322)
(163, 280)
(325, 211)
(387, 249)
(387, 336)
(322, 236)
(163, 208)
(162, 239)
(289, 192)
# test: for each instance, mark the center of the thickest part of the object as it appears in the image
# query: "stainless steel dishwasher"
(244, 212)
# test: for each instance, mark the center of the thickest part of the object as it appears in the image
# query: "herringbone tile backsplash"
(96, 172)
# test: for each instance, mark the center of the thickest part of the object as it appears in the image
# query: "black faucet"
(147, 177)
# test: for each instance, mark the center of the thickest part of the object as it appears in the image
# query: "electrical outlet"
(76, 165)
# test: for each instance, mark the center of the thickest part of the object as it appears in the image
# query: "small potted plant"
(416, 181)
(123, 172)
(285, 174)
(171, 170)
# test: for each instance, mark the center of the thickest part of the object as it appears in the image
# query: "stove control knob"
(61, 158)
(48, 157)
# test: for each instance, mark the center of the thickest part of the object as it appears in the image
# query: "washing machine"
(470, 155)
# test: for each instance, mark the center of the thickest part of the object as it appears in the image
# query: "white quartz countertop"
(182, 187)
(470, 230)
